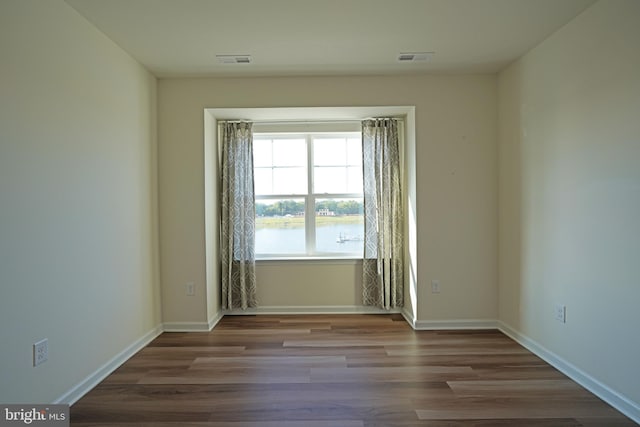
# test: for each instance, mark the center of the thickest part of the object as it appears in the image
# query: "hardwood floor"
(338, 371)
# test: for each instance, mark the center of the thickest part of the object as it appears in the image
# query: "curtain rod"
(307, 122)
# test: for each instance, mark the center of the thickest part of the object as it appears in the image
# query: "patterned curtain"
(383, 264)
(238, 217)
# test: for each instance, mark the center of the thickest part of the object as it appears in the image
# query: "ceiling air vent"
(234, 59)
(415, 56)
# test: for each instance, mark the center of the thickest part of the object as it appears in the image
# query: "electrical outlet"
(435, 286)
(191, 289)
(40, 352)
(560, 312)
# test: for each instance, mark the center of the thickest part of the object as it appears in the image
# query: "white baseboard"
(424, 325)
(213, 321)
(408, 316)
(429, 325)
(186, 327)
(319, 309)
(80, 389)
(623, 404)
(193, 326)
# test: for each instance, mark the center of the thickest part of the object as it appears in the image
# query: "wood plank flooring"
(338, 371)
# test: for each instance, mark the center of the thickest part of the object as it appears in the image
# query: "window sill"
(310, 260)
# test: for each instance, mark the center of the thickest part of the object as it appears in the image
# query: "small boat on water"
(343, 238)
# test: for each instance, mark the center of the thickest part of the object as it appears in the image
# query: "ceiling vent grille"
(234, 59)
(415, 56)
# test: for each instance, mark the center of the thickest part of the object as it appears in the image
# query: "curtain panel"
(237, 231)
(383, 263)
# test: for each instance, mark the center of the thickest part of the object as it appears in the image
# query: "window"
(308, 190)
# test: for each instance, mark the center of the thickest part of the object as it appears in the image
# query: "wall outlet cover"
(560, 312)
(435, 286)
(40, 352)
(191, 289)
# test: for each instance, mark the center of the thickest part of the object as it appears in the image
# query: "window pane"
(329, 179)
(282, 170)
(262, 153)
(354, 151)
(262, 181)
(340, 226)
(280, 227)
(289, 152)
(329, 152)
(290, 180)
(354, 179)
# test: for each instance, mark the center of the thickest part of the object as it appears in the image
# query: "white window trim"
(308, 131)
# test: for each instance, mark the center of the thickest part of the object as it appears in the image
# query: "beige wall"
(455, 180)
(77, 219)
(570, 194)
(310, 284)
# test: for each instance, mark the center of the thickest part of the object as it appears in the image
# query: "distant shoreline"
(298, 221)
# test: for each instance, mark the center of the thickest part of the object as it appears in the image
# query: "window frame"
(310, 198)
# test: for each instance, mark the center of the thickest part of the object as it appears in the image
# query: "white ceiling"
(324, 37)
